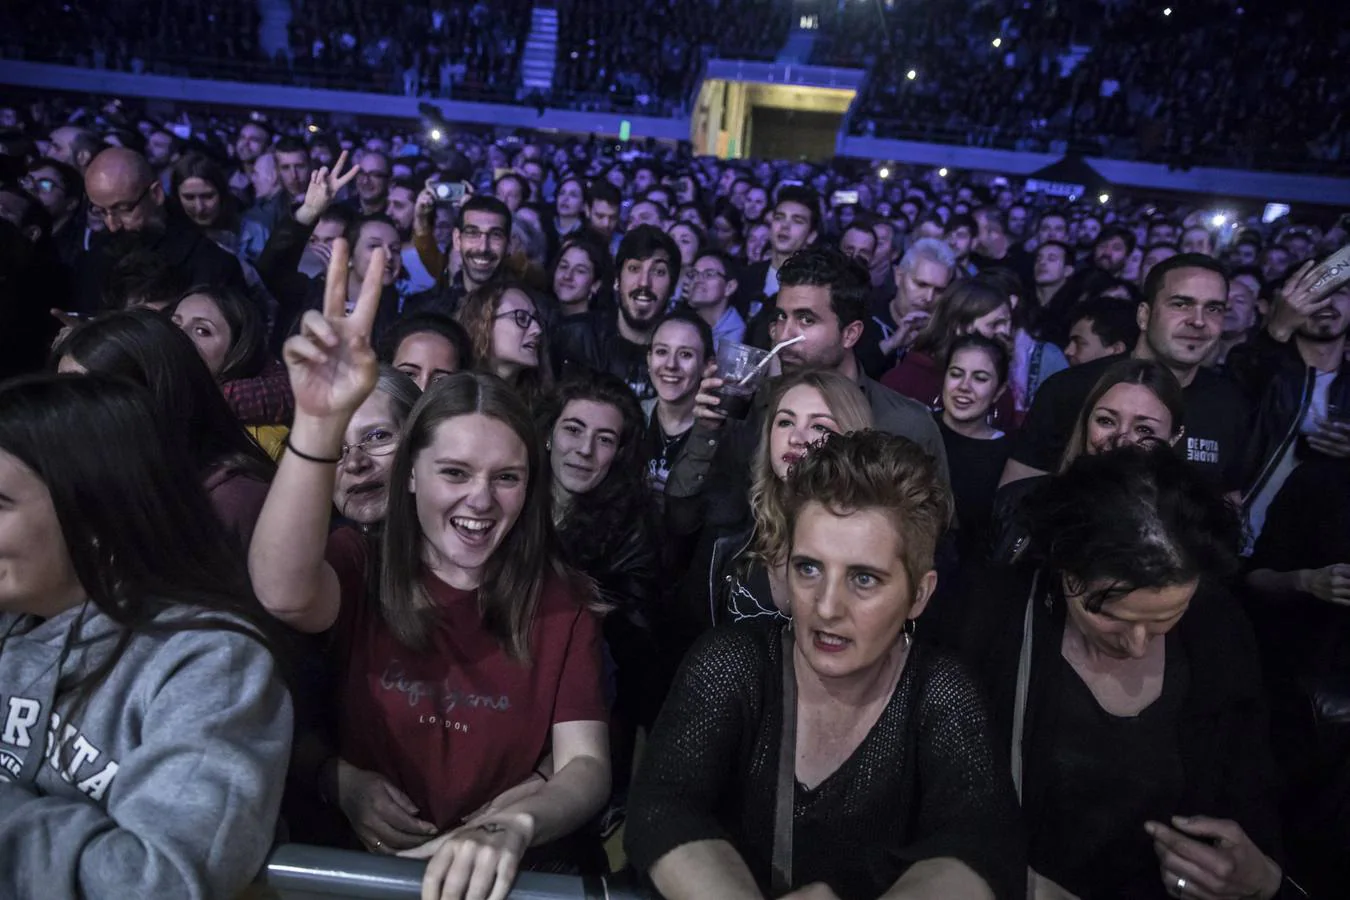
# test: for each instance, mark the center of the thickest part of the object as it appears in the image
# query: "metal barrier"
(302, 872)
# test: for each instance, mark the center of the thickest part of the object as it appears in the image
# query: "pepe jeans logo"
(445, 700)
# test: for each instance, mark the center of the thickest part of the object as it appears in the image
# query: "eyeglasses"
(473, 233)
(380, 442)
(40, 185)
(367, 174)
(120, 210)
(522, 317)
(708, 274)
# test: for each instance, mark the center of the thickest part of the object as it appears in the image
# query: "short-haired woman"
(472, 654)
(833, 757)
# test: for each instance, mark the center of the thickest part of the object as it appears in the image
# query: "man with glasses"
(372, 183)
(714, 288)
(127, 198)
(60, 189)
(477, 248)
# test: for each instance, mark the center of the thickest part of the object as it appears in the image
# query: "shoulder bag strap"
(1023, 685)
(787, 774)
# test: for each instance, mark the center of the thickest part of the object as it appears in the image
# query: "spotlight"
(313, 129)
(942, 173)
(1103, 199)
(1167, 11)
(911, 74)
(435, 134)
(1218, 220)
(998, 42)
(884, 172)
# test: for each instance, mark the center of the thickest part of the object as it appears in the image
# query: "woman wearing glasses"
(468, 655)
(508, 338)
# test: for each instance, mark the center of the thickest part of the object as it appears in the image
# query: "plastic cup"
(736, 366)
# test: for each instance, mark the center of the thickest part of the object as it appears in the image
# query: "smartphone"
(843, 198)
(451, 191)
(1274, 211)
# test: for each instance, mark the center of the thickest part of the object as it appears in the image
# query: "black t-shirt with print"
(1217, 422)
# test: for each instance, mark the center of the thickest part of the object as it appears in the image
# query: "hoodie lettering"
(70, 754)
(23, 715)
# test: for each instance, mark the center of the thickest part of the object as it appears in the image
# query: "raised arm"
(332, 370)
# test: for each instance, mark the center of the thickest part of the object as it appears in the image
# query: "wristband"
(323, 460)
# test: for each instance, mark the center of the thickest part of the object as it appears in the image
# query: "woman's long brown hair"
(515, 575)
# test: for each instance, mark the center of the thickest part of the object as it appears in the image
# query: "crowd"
(1246, 84)
(441, 498)
(1249, 84)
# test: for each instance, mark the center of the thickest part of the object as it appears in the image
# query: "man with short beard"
(1180, 319)
(1297, 366)
(127, 197)
(477, 249)
(293, 167)
(647, 269)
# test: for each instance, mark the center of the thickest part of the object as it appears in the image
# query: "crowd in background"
(1243, 84)
(1240, 83)
(438, 469)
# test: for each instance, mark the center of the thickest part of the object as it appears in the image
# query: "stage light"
(884, 172)
(1103, 199)
(435, 134)
(998, 42)
(313, 129)
(911, 74)
(1218, 220)
(1167, 11)
(942, 173)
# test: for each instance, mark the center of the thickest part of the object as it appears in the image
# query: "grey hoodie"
(167, 782)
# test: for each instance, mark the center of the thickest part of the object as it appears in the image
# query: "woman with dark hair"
(727, 232)
(690, 240)
(146, 716)
(605, 528)
(968, 306)
(508, 338)
(468, 654)
(568, 215)
(976, 377)
(1127, 685)
(229, 333)
(200, 189)
(581, 275)
(426, 346)
(681, 347)
(833, 757)
(1032, 360)
(144, 347)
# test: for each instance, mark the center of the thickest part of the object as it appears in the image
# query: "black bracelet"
(325, 460)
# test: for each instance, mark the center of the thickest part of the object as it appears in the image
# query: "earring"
(911, 626)
(548, 446)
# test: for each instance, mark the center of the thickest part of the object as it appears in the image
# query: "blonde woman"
(748, 565)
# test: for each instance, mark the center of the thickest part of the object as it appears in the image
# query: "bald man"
(125, 195)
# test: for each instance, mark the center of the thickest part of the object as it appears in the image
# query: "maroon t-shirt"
(456, 725)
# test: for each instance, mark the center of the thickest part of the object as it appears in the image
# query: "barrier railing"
(302, 872)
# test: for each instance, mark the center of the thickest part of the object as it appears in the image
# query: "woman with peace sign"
(469, 656)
